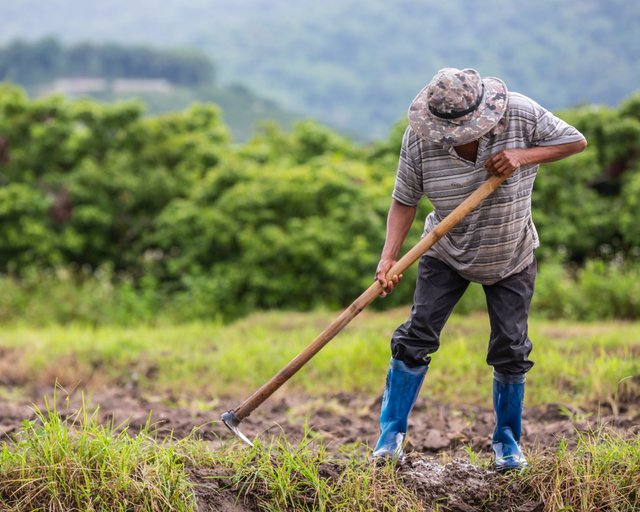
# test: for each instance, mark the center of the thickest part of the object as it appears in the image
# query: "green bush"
(289, 220)
(597, 291)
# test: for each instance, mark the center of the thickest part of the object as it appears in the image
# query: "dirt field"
(437, 467)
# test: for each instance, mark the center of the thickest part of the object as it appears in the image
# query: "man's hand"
(399, 221)
(510, 159)
(381, 275)
(506, 161)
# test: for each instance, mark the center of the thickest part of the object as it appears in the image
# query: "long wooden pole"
(461, 211)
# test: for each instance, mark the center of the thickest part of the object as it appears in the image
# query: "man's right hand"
(399, 221)
(384, 266)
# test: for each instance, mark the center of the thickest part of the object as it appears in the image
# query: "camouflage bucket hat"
(458, 106)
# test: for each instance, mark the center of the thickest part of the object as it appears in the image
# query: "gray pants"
(439, 288)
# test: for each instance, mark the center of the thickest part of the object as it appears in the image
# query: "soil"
(437, 465)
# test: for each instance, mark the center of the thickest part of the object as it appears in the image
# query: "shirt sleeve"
(408, 187)
(549, 130)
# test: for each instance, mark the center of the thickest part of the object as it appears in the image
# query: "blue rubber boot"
(508, 398)
(400, 393)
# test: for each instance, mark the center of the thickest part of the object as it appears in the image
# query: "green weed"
(61, 464)
(280, 476)
(602, 472)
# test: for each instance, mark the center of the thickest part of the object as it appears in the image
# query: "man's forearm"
(546, 154)
(399, 222)
(509, 160)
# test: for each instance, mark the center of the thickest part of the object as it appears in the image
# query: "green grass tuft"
(280, 476)
(58, 465)
(61, 464)
(602, 472)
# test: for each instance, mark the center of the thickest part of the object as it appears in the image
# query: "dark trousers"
(438, 289)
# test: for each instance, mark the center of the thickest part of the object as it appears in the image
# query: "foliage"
(167, 207)
(273, 235)
(94, 178)
(65, 295)
(585, 205)
(598, 290)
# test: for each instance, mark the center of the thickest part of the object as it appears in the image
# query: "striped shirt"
(497, 238)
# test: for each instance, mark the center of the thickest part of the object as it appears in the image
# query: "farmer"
(462, 127)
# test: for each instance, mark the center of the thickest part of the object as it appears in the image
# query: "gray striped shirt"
(498, 238)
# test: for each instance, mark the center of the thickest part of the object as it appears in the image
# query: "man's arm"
(399, 222)
(510, 159)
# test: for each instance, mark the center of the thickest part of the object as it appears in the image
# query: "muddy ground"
(437, 465)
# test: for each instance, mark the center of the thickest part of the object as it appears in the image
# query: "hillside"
(164, 79)
(356, 64)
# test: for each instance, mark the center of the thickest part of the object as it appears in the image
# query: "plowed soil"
(435, 429)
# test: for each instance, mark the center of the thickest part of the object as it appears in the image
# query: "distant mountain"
(356, 64)
(164, 80)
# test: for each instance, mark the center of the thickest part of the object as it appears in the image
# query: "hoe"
(234, 417)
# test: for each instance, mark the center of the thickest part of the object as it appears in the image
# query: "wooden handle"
(461, 211)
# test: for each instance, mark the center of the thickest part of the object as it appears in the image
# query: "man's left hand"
(505, 162)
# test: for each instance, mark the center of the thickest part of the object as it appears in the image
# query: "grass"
(601, 473)
(576, 363)
(59, 465)
(304, 476)
(71, 462)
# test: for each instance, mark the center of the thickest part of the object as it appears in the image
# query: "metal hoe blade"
(230, 419)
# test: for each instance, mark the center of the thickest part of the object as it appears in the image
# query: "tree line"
(41, 62)
(287, 220)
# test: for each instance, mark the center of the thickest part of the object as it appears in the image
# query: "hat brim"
(465, 129)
